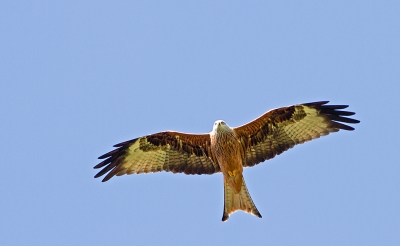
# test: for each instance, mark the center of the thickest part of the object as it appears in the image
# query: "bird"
(227, 149)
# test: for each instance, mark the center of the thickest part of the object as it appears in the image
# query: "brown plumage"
(227, 149)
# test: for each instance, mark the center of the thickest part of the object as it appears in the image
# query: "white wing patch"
(140, 161)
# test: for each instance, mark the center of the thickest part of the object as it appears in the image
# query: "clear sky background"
(77, 77)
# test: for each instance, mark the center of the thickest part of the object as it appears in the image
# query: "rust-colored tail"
(238, 201)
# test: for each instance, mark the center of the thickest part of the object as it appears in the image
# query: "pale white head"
(220, 125)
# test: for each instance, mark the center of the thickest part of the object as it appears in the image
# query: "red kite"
(226, 149)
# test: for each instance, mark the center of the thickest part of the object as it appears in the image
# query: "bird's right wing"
(165, 151)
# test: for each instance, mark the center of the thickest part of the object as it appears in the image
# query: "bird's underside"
(227, 149)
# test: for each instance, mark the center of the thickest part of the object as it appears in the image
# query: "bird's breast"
(227, 150)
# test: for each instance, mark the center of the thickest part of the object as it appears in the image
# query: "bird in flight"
(227, 149)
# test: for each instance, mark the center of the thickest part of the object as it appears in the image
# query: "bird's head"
(220, 125)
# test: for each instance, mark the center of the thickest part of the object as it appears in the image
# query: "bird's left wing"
(280, 129)
(164, 151)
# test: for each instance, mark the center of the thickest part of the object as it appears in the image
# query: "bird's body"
(225, 149)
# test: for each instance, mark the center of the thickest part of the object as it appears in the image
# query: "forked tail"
(239, 201)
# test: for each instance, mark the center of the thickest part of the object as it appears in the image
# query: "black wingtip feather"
(109, 154)
(335, 106)
(343, 119)
(343, 113)
(101, 164)
(319, 103)
(334, 113)
(342, 126)
(125, 143)
(104, 171)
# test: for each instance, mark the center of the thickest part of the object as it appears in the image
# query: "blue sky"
(78, 77)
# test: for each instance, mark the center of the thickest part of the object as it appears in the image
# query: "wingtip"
(125, 143)
(99, 175)
(315, 103)
(102, 157)
(101, 164)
